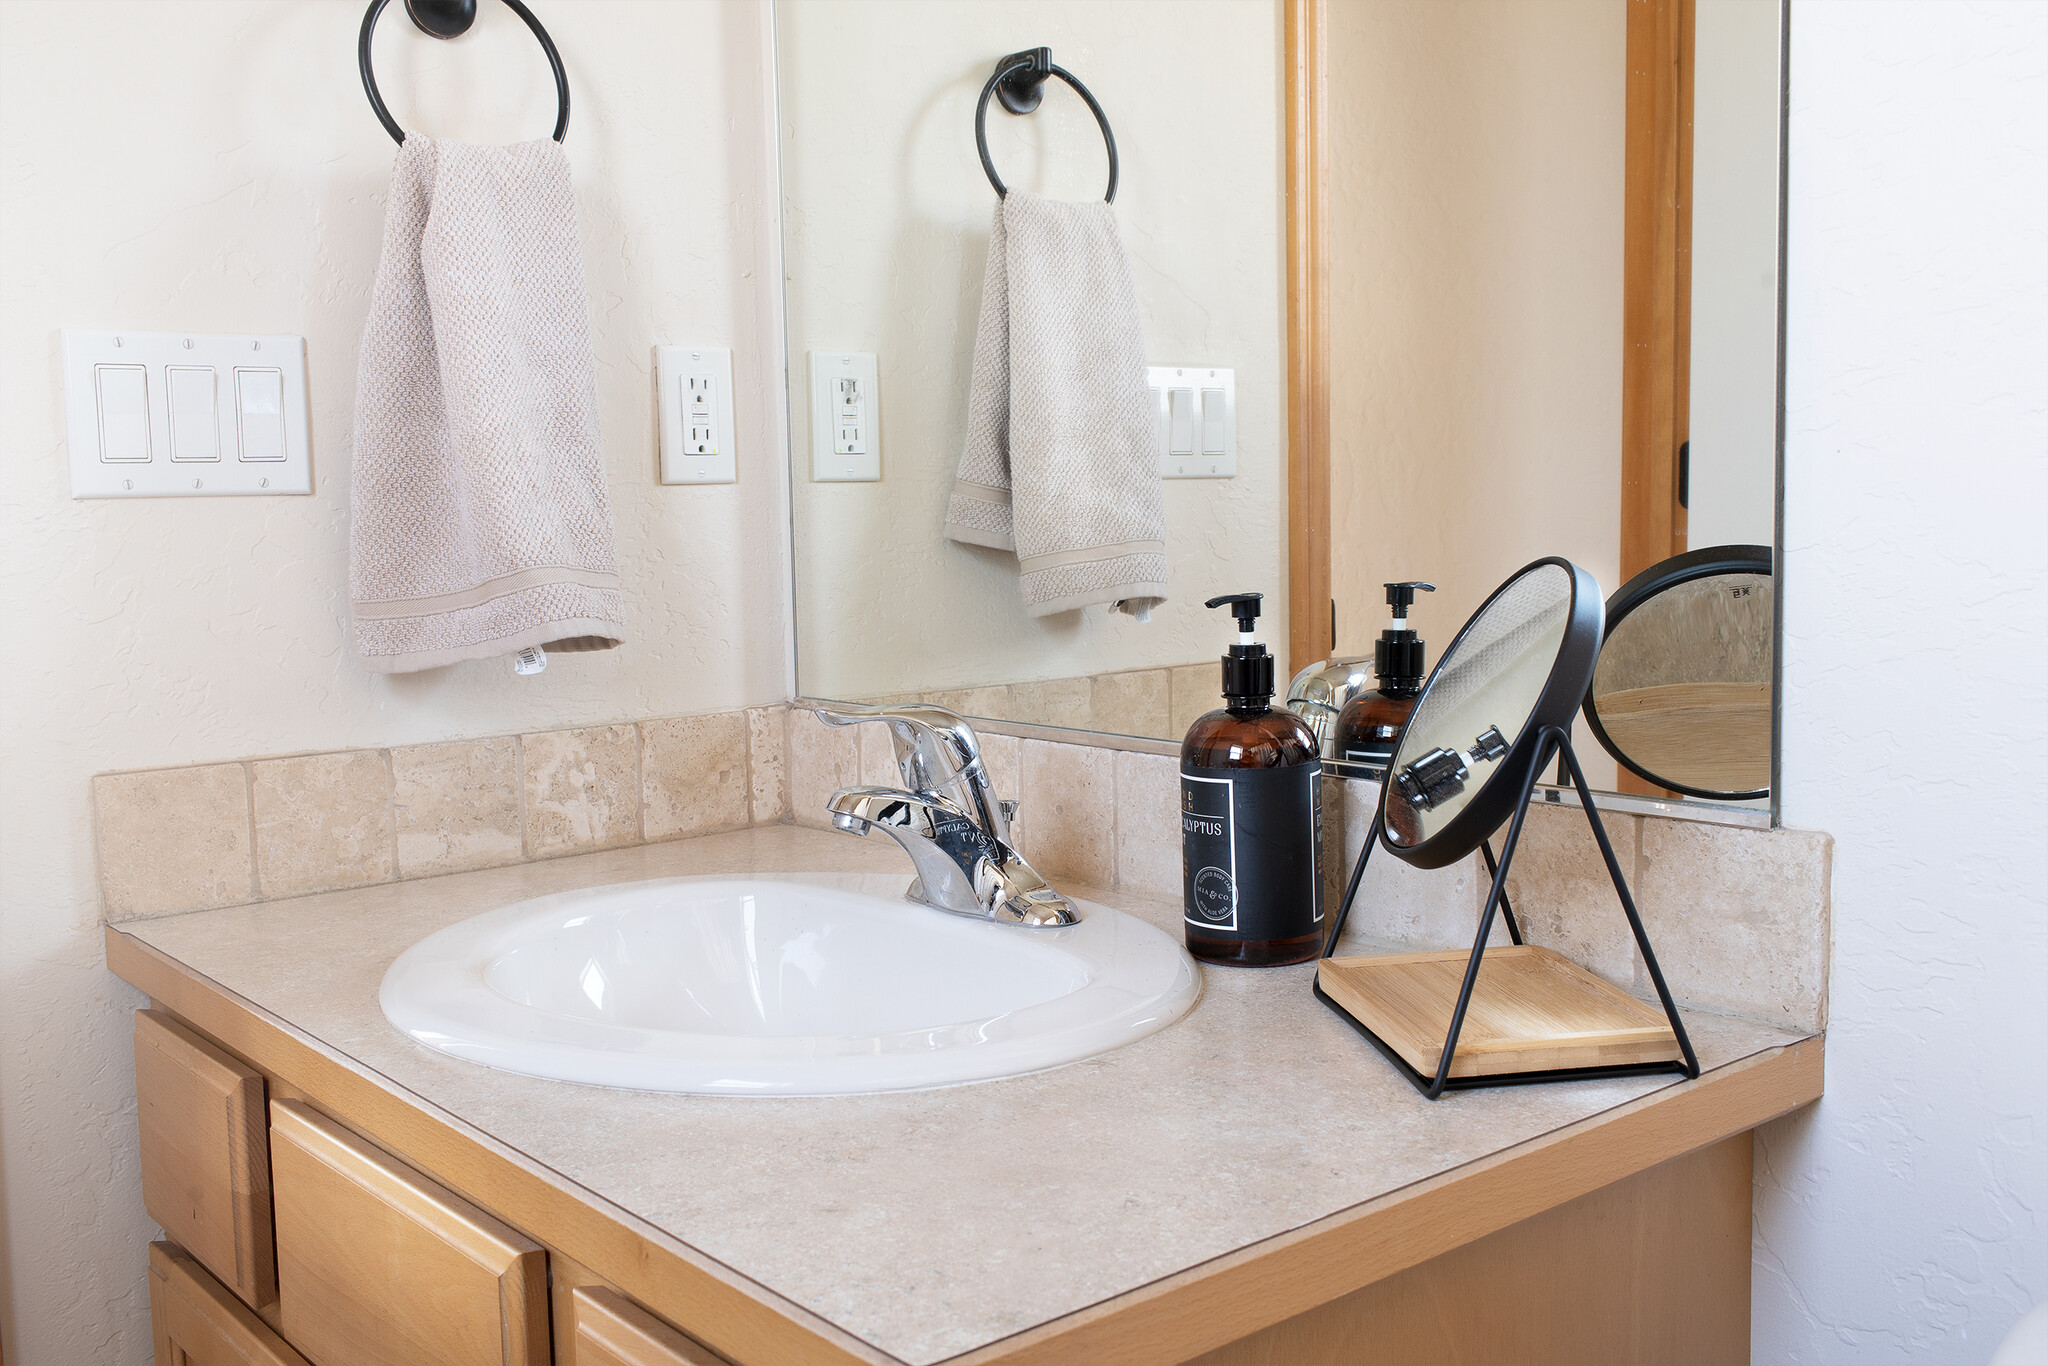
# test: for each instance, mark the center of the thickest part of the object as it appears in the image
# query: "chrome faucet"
(947, 818)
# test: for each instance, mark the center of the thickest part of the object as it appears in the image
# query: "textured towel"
(479, 523)
(1059, 465)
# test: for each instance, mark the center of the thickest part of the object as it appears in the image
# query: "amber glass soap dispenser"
(1372, 721)
(1251, 817)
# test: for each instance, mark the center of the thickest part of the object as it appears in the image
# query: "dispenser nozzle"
(1401, 595)
(1243, 606)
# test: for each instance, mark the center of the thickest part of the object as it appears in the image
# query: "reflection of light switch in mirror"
(695, 385)
(846, 433)
(1195, 413)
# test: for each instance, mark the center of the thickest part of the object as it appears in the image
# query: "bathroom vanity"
(1251, 1184)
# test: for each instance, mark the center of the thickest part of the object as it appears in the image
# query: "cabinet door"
(205, 1157)
(196, 1322)
(379, 1266)
(611, 1330)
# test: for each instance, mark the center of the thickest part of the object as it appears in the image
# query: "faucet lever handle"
(934, 746)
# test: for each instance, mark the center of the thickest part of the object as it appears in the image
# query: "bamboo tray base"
(1532, 1010)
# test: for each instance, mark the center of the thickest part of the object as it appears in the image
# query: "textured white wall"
(1902, 1218)
(889, 217)
(1477, 152)
(215, 167)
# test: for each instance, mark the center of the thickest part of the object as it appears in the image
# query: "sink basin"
(822, 985)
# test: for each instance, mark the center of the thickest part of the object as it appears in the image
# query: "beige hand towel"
(480, 519)
(1059, 465)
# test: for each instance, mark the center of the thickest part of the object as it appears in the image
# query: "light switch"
(1180, 421)
(259, 412)
(846, 441)
(1195, 416)
(121, 396)
(195, 416)
(695, 384)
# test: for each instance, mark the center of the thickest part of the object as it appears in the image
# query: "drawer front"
(205, 1154)
(379, 1266)
(196, 1322)
(611, 1330)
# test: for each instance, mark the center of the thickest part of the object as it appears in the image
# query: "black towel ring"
(1019, 80)
(451, 19)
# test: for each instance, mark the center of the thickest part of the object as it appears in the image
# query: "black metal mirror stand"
(1549, 738)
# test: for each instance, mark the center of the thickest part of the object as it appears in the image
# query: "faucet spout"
(948, 820)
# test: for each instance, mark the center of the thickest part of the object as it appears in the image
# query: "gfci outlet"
(695, 384)
(846, 418)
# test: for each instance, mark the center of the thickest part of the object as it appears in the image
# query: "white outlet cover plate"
(262, 452)
(1163, 379)
(682, 461)
(827, 467)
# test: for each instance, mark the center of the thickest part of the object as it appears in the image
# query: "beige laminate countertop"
(925, 1223)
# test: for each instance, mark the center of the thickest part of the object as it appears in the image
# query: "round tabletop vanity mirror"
(1522, 663)
(1681, 696)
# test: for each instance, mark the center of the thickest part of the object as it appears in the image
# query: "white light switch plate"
(185, 414)
(696, 414)
(1194, 420)
(846, 424)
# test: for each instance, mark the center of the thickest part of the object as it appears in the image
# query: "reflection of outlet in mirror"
(696, 414)
(846, 432)
(1194, 411)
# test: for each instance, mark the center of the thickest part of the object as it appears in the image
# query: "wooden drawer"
(205, 1154)
(379, 1266)
(196, 1322)
(611, 1330)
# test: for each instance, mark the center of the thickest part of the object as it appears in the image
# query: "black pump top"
(1247, 667)
(1398, 657)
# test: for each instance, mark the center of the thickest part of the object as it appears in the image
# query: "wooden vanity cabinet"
(379, 1266)
(607, 1329)
(196, 1322)
(205, 1153)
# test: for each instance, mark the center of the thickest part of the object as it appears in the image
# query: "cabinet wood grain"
(196, 1322)
(611, 1330)
(205, 1153)
(379, 1266)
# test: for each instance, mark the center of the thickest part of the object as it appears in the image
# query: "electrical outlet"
(846, 418)
(695, 384)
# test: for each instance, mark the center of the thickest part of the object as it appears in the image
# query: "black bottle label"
(1251, 851)
(1372, 752)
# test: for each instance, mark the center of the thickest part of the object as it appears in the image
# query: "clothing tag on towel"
(530, 660)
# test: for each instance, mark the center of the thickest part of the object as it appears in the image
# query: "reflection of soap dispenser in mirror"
(1251, 814)
(1371, 722)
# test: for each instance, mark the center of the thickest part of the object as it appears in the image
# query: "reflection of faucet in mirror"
(947, 818)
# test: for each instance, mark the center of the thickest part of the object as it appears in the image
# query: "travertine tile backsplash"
(1738, 916)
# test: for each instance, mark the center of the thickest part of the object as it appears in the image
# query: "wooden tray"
(1532, 1010)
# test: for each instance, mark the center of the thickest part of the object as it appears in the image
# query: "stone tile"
(1137, 702)
(1052, 702)
(822, 759)
(456, 805)
(323, 821)
(988, 704)
(878, 767)
(1069, 807)
(173, 839)
(1401, 907)
(1739, 918)
(768, 765)
(1148, 846)
(582, 789)
(693, 775)
(1195, 689)
(1563, 895)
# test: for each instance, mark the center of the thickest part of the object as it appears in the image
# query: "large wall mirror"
(1522, 300)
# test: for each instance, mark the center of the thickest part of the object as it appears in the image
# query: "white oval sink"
(750, 987)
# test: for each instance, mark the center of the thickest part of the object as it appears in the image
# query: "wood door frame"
(1310, 624)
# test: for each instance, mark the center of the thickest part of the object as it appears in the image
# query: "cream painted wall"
(1476, 157)
(889, 216)
(215, 167)
(1904, 1218)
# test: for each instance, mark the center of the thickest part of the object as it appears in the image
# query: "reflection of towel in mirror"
(480, 523)
(1059, 465)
